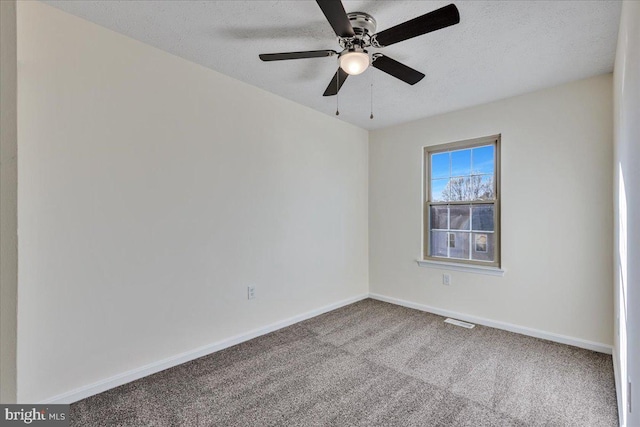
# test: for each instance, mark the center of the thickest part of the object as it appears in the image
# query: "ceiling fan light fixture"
(354, 61)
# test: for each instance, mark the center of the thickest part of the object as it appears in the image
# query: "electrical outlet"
(446, 279)
(251, 292)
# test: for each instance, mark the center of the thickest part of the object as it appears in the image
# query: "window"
(462, 203)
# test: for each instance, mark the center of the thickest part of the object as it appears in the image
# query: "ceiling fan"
(356, 32)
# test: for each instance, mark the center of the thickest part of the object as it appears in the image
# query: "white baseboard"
(161, 365)
(550, 336)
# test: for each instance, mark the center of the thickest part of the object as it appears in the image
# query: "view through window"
(461, 207)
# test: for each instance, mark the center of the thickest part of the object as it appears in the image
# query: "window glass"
(461, 163)
(460, 218)
(459, 188)
(440, 217)
(483, 246)
(482, 187)
(440, 190)
(482, 217)
(439, 240)
(483, 160)
(440, 166)
(461, 249)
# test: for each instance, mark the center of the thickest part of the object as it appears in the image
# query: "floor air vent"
(459, 323)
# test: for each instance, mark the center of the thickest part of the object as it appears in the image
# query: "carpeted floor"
(371, 364)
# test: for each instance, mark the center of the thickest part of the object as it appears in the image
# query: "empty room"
(320, 213)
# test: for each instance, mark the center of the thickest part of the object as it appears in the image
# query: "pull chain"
(371, 116)
(337, 90)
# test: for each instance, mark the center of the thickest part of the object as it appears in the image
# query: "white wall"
(556, 212)
(627, 210)
(153, 191)
(8, 201)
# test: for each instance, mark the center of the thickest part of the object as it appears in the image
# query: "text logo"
(34, 415)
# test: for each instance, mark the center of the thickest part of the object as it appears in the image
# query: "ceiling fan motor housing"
(362, 23)
(364, 26)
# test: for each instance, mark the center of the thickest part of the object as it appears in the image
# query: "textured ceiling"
(499, 49)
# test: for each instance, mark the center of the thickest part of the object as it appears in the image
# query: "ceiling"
(499, 49)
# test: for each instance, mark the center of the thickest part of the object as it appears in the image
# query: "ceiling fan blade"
(297, 55)
(440, 18)
(334, 12)
(336, 83)
(397, 69)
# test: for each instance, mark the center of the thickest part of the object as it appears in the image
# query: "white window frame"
(456, 263)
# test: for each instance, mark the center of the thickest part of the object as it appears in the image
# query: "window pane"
(459, 189)
(460, 217)
(461, 249)
(482, 216)
(483, 247)
(482, 187)
(439, 190)
(461, 163)
(439, 218)
(483, 160)
(440, 165)
(439, 243)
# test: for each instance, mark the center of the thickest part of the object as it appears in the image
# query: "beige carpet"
(371, 364)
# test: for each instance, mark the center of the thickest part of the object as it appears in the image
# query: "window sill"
(491, 271)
